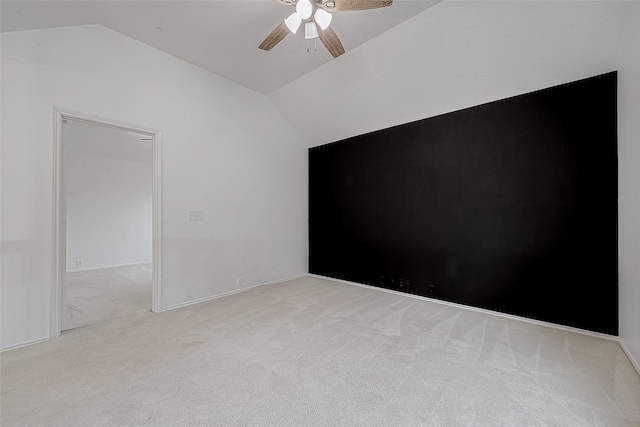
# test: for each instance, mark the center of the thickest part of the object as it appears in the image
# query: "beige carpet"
(312, 352)
(95, 296)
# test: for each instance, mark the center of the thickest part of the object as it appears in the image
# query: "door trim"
(59, 210)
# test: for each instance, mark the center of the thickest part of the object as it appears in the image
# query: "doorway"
(107, 221)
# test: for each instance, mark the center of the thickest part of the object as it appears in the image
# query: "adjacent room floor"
(94, 296)
(314, 352)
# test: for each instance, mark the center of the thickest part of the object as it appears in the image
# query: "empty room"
(108, 219)
(320, 213)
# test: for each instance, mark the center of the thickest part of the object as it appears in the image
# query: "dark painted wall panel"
(510, 206)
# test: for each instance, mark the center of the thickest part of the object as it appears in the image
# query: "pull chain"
(315, 44)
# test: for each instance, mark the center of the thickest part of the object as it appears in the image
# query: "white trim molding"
(59, 228)
(633, 361)
(235, 291)
(480, 310)
(59, 209)
(24, 344)
(106, 267)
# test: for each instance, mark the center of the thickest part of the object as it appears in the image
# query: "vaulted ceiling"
(413, 60)
(219, 36)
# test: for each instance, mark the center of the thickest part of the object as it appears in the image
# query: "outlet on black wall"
(510, 206)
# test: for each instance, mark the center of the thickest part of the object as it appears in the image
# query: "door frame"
(59, 209)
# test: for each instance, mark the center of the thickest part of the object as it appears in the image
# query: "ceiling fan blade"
(275, 37)
(330, 40)
(352, 5)
(285, 2)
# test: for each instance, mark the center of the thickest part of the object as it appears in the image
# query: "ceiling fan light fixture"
(322, 18)
(317, 26)
(304, 9)
(293, 22)
(310, 30)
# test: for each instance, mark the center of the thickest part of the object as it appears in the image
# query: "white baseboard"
(104, 267)
(633, 361)
(24, 344)
(235, 291)
(480, 310)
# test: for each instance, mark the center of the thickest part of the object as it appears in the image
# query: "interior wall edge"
(105, 267)
(477, 309)
(628, 196)
(24, 344)
(235, 291)
(627, 351)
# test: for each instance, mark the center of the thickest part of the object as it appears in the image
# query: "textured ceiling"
(219, 36)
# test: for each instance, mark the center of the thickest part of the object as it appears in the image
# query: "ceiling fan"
(316, 14)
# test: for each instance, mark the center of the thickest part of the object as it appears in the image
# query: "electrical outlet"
(239, 281)
(78, 263)
(431, 289)
(404, 283)
(195, 215)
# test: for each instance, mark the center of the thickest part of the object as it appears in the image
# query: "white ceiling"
(219, 36)
(452, 56)
(456, 55)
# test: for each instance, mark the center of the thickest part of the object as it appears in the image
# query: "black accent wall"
(509, 206)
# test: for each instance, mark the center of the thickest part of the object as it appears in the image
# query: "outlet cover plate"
(195, 215)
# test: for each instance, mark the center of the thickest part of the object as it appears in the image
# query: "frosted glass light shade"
(322, 18)
(310, 30)
(304, 9)
(293, 22)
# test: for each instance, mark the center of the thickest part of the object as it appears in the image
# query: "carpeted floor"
(313, 352)
(95, 296)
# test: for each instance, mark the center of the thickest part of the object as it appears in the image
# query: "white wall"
(109, 193)
(226, 151)
(629, 181)
(455, 55)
